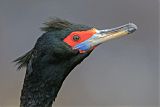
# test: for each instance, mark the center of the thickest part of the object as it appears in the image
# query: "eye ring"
(76, 37)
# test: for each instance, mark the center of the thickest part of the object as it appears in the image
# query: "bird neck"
(36, 95)
(41, 86)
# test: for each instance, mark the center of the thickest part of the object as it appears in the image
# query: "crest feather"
(56, 24)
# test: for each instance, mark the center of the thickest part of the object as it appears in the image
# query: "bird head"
(79, 39)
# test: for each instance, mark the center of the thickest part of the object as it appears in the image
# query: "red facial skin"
(83, 35)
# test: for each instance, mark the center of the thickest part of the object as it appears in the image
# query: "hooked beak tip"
(132, 28)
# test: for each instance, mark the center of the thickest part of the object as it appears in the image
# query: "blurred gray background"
(119, 73)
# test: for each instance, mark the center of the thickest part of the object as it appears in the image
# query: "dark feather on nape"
(56, 24)
(24, 60)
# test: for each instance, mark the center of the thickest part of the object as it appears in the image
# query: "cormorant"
(63, 46)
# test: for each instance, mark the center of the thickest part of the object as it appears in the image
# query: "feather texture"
(23, 61)
(56, 24)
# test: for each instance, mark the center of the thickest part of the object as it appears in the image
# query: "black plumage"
(48, 63)
(63, 46)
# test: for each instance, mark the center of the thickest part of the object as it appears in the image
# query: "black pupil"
(76, 37)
